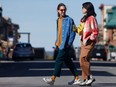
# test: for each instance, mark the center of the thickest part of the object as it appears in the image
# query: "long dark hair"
(90, 10)
(59, 5)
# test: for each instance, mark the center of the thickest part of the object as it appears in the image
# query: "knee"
(81, 64)
(82, 61)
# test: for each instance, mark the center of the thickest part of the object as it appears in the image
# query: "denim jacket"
(68, 35)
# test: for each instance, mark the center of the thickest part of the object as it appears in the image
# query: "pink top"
(90, 30)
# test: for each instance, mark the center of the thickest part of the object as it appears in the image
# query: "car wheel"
(31, 58)
(104, 59)
(15, 59)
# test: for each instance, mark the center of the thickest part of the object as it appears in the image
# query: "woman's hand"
(75, 29)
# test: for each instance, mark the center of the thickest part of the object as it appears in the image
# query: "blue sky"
(39, 18)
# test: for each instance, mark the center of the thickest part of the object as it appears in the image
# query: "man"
(65, 38)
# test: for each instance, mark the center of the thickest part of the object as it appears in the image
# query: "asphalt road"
(30, 74)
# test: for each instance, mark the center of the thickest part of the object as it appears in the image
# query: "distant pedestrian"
(88, 29)
(65, 38)
(1, 12)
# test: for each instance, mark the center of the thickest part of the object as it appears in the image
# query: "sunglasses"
(62, 9)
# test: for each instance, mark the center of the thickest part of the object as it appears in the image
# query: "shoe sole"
(83, 85)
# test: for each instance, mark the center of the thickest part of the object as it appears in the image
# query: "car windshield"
(23, 45)
(99, 46)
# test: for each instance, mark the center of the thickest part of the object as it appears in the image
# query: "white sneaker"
(83, 83)
(90, 81)
(48, 81)
(76, 82)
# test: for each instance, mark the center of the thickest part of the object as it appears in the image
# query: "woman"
(88, 30)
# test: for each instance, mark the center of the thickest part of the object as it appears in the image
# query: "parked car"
(22, 51)
(78, 51)
(72, 53)
(112, 52)
(99, 51)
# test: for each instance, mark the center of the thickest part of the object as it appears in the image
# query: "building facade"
(8, 34)
(108, 29)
